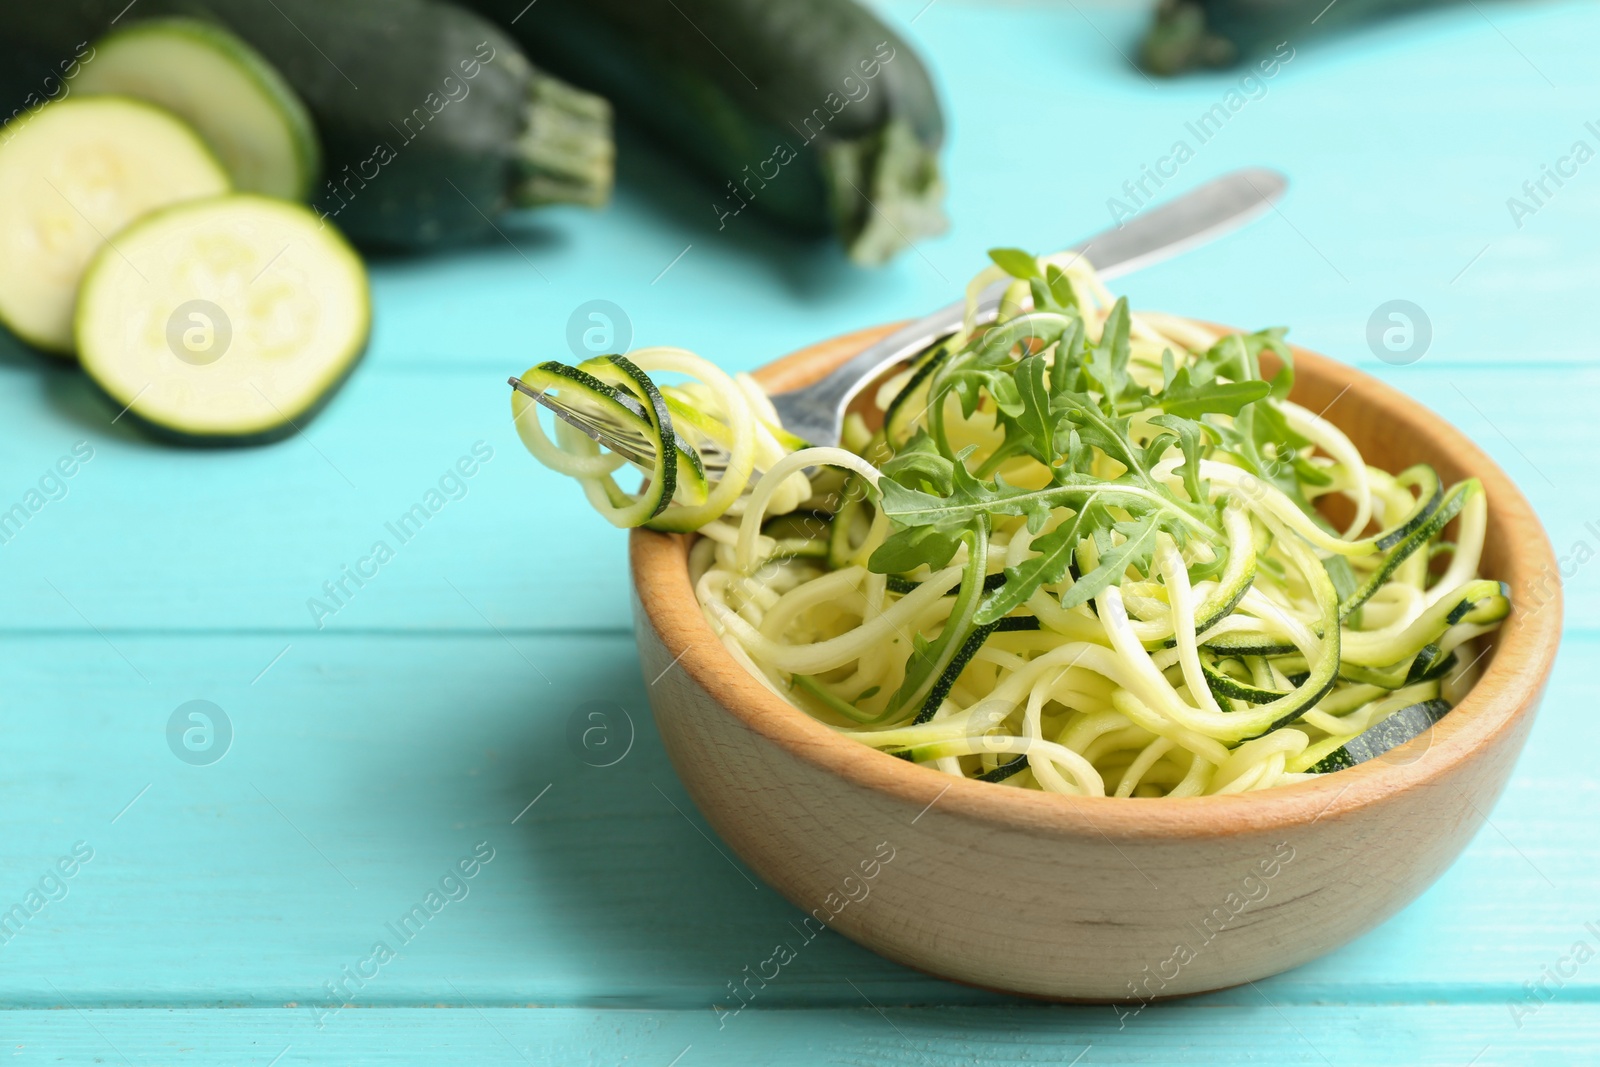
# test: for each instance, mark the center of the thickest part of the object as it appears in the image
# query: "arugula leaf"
(1054, 551)
(920, 463)
(1135, 551)
(1108, 360)
(1066, 366)
(1185, 396)
(1043, 299)
(1015, 262)
(907, 549)
(1190, 437)
(1238, 356)
(971, 383)
(1259, 435)
(1035, 425)
(1105, 432)
(1060, 286)
(1071, 404)
(1034, 330)
(929, 658)
(1064, 401)
(1272, 341)
(1080, 457)
(911, 507)
(1309, 474)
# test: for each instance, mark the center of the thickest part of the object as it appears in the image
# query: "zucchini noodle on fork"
(1074, 549)
(724, 419)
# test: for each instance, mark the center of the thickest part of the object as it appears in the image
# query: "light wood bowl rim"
(1524, 652)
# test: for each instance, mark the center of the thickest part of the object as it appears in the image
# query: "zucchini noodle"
(1074, 549)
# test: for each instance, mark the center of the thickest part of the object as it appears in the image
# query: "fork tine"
(569, 417)
(632, 447)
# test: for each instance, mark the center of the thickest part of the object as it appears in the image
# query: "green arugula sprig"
(1072, 405)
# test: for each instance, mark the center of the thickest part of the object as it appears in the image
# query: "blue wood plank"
(1197, 1032)
(362, 768)
(433, 707)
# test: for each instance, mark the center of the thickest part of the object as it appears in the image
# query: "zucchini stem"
(565, 154)
(1179, 40)
(885, 192)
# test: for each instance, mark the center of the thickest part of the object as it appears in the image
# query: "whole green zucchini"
(431, 120)
(815, 113)
(1218, 33)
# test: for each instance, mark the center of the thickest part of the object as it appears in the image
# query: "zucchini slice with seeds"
(408, 97)
(71, 177)
(235, 99)
(223, 321)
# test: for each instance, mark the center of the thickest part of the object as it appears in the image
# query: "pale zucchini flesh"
(235, 100)
(227, 319)
(71, 177)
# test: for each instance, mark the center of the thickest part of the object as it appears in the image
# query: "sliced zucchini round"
(233, 97)
(226, 320)
(71, 177)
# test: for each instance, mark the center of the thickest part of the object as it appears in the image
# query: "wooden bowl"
(1101, 899)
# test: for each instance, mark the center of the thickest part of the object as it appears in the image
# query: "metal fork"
(815, 412)
(631, 445)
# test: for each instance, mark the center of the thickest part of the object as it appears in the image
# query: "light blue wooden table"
(367, 758)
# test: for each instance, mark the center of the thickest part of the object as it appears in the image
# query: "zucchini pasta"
(1075, 549)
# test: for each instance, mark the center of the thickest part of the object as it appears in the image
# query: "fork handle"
(816, 412)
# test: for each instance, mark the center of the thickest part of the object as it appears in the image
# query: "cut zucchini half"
(224, 321)
(71, 177)
(235, 99)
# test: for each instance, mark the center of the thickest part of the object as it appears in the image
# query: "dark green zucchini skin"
(815, 114)
(1392, 732)
(1189, 34)
(416, 153)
